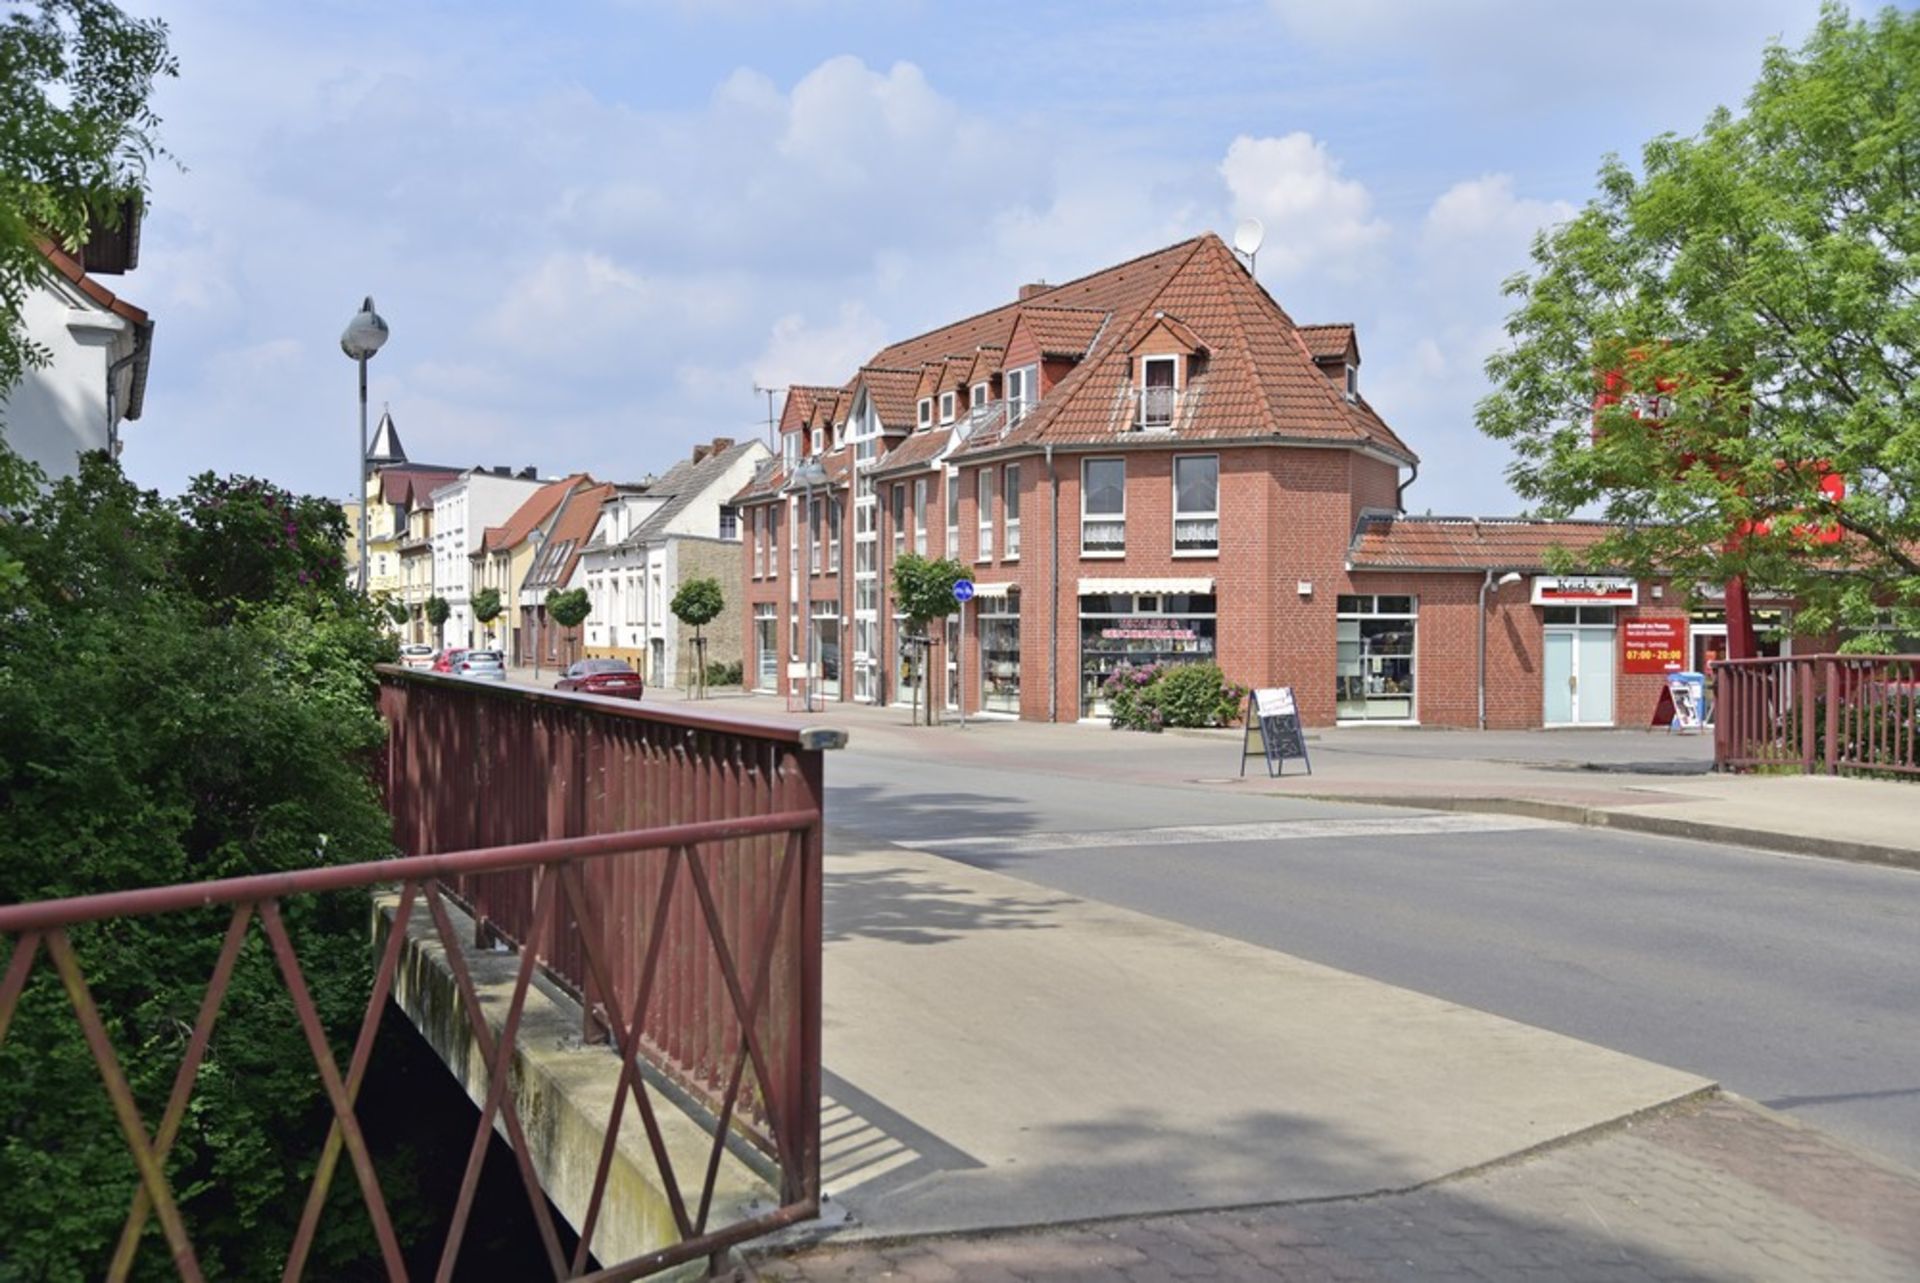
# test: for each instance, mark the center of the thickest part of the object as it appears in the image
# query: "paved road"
(1792, 981)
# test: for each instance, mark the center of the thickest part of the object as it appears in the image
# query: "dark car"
(602, 677)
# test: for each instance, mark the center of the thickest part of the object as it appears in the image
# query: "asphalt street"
(1792, 981)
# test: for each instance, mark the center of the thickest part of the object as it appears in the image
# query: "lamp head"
(365, 333)
(1511, 577)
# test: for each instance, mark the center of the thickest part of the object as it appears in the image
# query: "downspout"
(1053, 593)
(1400, 494)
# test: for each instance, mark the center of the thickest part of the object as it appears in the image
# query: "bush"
(1152, 697)
(719, 674)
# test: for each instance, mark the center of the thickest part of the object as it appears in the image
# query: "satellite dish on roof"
(1247, 237)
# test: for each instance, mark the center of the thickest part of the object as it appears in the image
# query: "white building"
(97, 375)
(462, 511)
(682, 527)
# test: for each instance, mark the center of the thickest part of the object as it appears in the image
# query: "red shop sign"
(1655, 645)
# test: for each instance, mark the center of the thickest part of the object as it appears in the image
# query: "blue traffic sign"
(963, 590)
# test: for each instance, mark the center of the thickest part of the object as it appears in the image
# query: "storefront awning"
(994, 590)
(1134, 584)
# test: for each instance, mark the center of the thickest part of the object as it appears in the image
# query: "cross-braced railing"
(1835, 714)
(664, 867)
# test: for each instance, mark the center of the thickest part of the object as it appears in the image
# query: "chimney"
(700, 452)
(722, 444)
(1037, 287)
(529, 473)
(503, 470)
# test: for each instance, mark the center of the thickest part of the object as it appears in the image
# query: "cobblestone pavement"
(1717, 1189)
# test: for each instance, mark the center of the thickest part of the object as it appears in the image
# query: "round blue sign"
(963, 590)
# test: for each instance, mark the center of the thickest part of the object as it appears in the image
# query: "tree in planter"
(923, 591)
(486, 609)
(698, 603)
(395, 611)
(438, 612)
(569, 608)
(1698, 351)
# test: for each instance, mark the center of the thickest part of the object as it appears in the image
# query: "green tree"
(697, 603)
(923, 592)
(78, 134)
(486, 608)
(438, 612)
(570, 607)
(1754, 292)
(395, 611)
(170, 712)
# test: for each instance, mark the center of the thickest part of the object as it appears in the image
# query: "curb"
(1657, 825)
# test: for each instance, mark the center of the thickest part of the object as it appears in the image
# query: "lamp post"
(808, 475)
(1511, 577)
(365, 334)
(537, 538)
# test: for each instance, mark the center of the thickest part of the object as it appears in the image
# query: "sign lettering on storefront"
(1653, 646)
(1147, 629)
(1584, 590)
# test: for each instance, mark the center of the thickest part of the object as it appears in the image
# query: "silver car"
(482, 665)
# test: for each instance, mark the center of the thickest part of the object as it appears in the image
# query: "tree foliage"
(1755, 291)
(487, 605)
(923, 587)
(438, 611)
(569, 607)
(181, 697)
(75, 140)
(698, 602)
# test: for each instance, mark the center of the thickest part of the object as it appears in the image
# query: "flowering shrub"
(1151, 697)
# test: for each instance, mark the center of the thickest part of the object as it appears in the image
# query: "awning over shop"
(1134, 584)
(994, 590)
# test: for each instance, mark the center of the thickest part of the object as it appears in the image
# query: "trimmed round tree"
(570, 608)
(923, 590)
(697, 604)
(486, 609)
(438, 612)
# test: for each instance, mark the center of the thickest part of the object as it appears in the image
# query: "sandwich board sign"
(1273, 731)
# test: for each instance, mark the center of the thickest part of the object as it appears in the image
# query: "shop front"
(1374, 658)
(1134, 624)
(999, 632)
(1578, 646)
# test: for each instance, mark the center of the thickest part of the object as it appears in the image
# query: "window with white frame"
(926, 411)
(816, 552)
(920, 514)
(1353, 382)
(947, 400)
(953, 513)
(1103, 508)
(759, 543)
(1159, 391)
(1196, 504)
(833, 535)
(1023, 390)
(983, 492)
(729, 521)
(790, 449)
(819, 439)
(899, 514)
(982, 393)
(1010, 507)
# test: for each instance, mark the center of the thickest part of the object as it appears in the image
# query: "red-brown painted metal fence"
(1829, 713)
(664, 865)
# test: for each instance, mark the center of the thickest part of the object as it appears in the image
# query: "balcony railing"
(1155, 407)
(983, 421)
(1834, 714)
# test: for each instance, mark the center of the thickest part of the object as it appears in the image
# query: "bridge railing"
(665, 866)
(1828, 713)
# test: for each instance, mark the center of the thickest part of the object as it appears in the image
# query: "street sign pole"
(962, 593)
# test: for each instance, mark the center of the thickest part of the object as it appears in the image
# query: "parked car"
(417, 655)
(448, 658)
(482, 665)
(602, 677)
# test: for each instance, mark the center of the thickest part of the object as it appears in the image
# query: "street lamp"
(365, 334)
(1489, 583)
(808, 475)
(537, 538)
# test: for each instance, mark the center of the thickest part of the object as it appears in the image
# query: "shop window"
(1120, 629)
(1374, 662)
(766, 647)
(1000, 654)
(1196, 504)
(1103, 507)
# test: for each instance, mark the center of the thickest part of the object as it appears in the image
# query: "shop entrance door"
(1579, 677)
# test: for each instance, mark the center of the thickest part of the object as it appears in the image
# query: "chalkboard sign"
(1273, 731)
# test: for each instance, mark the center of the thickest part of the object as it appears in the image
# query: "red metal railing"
(666, 866)
(1829, 713)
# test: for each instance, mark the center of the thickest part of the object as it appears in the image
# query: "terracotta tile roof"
(534, 512)
(954, 377)
(568, 535)
(986, 364)
(891, 389)
(402, 484)
(766, 483)
(921, 450)
(930, 375)
(1329, 342)
(803, 404)
(1062, 331)
(1384, 542)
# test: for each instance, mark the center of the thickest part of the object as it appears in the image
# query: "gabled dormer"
(1336, 352)
(1163, 363)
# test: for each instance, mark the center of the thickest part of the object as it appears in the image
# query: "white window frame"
(759, 543)
(1178, 515)
(1028, 379)
(1353, 381)
(729, 521)
(1141, 422)
(926, 411)
(1010, 509)
(983, 505)
(947, 403)
(982, 395)
(819, 436)
(953, 512)
(833, 534)
(920, 514)
(1107, 518)
(897, 514)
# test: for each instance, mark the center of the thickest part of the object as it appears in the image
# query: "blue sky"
(594, 227)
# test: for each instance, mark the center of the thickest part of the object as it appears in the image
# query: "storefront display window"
(826, 628)
(1000, 654)
(1375, 659)
(766, 647)
(1137, 629)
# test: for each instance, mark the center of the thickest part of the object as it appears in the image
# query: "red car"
(602, 677)
(449, 659)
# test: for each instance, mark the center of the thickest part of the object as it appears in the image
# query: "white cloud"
(798, 351)
(1482, 214)
(1313, 216)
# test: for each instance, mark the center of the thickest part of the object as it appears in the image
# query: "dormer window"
(981, 395)
(819, 439)
(1353, 382)
(947, 400)
(1023, 389)
(926, 411)
(1159, 391)
(790, 449)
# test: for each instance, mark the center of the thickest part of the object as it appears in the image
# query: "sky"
(595, 227)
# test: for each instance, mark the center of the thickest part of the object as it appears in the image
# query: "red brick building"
(1155, 463)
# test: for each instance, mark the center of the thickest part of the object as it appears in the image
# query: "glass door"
(1593, 696)
(1559, 709)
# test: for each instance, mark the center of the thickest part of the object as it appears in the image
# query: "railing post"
(1832, 666)
(1806, 702)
